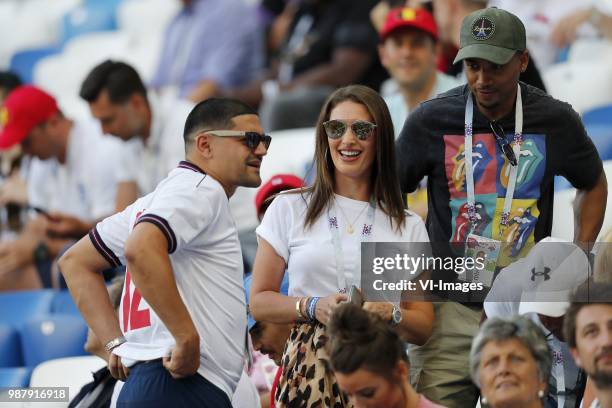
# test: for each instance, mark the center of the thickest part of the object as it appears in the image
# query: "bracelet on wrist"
(114, 343)
(298, 309)
(312, 308)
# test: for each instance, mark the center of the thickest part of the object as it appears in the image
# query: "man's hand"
(184, 359)
(327, 305)
(14, 190)
(66, 226)
(16, 254)
(116, 368)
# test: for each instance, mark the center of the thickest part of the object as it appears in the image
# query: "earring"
(483, 401)
(541, 394)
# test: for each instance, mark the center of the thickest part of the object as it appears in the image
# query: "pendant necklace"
(349, 226)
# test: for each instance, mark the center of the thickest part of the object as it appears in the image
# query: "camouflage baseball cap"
(491, 34)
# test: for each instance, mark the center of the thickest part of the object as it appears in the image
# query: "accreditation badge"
(484, 253)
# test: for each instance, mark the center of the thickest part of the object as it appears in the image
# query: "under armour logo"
(545, 273)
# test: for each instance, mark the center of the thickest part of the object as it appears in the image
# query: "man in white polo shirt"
(183, 313)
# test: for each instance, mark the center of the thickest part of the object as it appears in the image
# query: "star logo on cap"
(4, 117)
(408, 14)
(483, 28)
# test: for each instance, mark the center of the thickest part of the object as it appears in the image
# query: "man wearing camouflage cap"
(500, 187)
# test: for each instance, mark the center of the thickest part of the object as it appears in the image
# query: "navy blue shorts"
(150, 385)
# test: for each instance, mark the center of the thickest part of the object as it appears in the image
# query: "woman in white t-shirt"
(315, 235)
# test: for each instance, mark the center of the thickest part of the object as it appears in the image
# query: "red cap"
(420, 19)
(24, 108)
(276, 184)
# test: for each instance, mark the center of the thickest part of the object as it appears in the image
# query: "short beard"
(602, 379)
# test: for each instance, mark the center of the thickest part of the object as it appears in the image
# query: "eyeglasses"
(502, 142)
(336, 128)
(251, 139)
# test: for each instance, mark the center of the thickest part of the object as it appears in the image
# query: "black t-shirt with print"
(554, 143)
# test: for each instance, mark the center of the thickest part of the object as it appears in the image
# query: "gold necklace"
(349, 226)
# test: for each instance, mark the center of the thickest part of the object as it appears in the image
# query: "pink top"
(425, 403)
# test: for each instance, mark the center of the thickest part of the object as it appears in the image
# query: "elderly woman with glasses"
(510, 361)
(315, 234)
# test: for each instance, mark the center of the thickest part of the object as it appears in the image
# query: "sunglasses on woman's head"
(251, 139)
(336, 128)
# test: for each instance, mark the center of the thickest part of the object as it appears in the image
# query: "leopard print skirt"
(307, 380)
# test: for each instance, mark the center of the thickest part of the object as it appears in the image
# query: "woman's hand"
(327, 305)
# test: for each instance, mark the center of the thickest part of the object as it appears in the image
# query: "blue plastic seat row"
(40, 339)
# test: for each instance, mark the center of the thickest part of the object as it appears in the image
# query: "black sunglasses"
(336, 128)
(502, 142)
(251, 139)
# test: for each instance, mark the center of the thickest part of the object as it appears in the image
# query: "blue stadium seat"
(23, 62)
(10, 347)
(64, 304)
(52, 336)
(15, 376)
(88, 18)
(19, 307)
(562, 184)
(598, 116)
(602, 138)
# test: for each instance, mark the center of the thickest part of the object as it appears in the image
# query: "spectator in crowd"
(552, 23)
(510, 362)
(408, 50)
(181, 238)
(99, 392)
(329, 44)
(378, 14)
(210, 44)
(71, 183)
(449, 15)
(269, 190)
(263, 198)
(13, 190)
(538, 286)
(370, 362)
(470, 190)
(268, 339)
(118, 98)
(8, 82)
(588, 330)
(314, 234)
(152, 125)
(566, 30)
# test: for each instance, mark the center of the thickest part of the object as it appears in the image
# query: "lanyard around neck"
(469, 168)
(366, 233)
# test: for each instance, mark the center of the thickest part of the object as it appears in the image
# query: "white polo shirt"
(85, 186)
(150, 161)
(191, 209)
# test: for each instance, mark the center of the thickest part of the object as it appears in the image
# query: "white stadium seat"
(563, 214)
(584, 85)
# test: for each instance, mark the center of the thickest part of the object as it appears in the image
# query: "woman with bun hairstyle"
(370, 361)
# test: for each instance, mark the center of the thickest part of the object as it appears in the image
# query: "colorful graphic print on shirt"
(491, 174)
